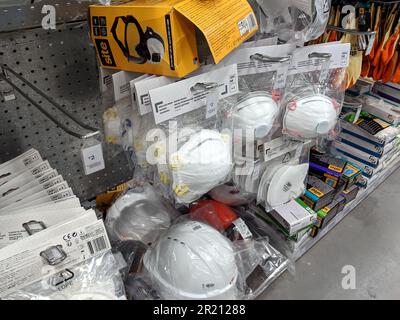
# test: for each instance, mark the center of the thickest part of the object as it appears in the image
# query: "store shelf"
(382, 176)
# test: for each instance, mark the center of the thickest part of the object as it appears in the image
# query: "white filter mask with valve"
(281, 183)
(257, 112)
(310, 117)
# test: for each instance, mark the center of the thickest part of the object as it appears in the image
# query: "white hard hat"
(282, 183)
(255, 111)
(137, 215)
(201, 164)
(310, 117)
(192, 260)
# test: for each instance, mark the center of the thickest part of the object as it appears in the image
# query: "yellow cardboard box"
(159, 36)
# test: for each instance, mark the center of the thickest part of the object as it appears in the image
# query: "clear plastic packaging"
(219, 268)
(95, 279)
(256, 116)
(286, 171)
(230, 194)
(193, 149)
(139, 214)
(315, 92)
(293, 20)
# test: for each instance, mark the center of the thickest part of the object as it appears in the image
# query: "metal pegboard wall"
(24, 14)
(62, 63)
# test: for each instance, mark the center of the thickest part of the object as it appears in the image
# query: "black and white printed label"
(92, 157)
(302, 62)
(15, 227)
(212, 104)
(282, 147)
(50, 251)
(242, 228)
(142, 88)
(248, 24)
(178, 98)
(247, 64)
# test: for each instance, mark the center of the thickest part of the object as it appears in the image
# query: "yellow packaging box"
(159, 36)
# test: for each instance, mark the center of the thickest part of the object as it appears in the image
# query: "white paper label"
(132, 91)
(15, 227)
(340, 53)
(92, 158)
(246, 65)
(121, 84)
(212, 104)
(27, 261)
(177, 98)
(142, 88)
(248, 24)
(106, 79)
(279, 147)
(242, 228)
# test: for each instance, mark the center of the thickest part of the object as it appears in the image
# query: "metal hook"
(3, 75)
(321, 55)
(201, 86)
(266, 58)
(351, 31)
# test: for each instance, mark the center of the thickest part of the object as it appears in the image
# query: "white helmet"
(201, 164)
(280, 184)
(137, 215)
(256, 111)
(310, 117)
(192, 260)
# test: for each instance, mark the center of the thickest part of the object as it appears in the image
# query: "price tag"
(92, 156)
(212, 103)
(281, 75)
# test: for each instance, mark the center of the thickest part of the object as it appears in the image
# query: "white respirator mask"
(192, 260)
(201, 164)
(256, 111)
(310, 117)
(282, 183)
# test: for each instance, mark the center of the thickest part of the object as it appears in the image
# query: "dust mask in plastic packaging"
(201, 164)
(199, 252)
(310, 117)
(257, 112)
(282, 183)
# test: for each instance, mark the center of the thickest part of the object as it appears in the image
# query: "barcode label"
(247, 25)
(94, 165)
(92, 157)
(97, 245)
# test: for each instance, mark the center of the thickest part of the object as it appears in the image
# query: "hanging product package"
(159, 37)
(286, 169)
(118, 128)
(315, 91)
(191, 151)
(256, 116)
(70, 261)
(294, 20)
(143, 118)
(139, 214)
(221, 269)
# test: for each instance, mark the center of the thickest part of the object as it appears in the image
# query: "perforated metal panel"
(17, 17)
(62, 63)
